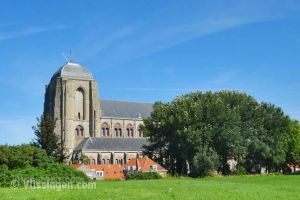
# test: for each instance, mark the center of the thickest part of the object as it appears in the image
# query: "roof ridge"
(124, 101)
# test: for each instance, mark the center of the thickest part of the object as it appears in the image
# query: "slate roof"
(124, 109)
(112, 144)
(72, 69)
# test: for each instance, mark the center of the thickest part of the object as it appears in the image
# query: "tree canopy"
(200, 132)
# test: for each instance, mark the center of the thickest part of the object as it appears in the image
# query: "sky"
(147, 51)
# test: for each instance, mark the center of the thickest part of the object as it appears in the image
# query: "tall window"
(105, 129)
(140, 132)
(79, 131)
(118, 130)
(79, 104)
(129, 130)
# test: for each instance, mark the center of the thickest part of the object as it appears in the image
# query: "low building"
(101, 172)
(144, 164)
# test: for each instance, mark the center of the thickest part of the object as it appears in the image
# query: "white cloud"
(26, 31)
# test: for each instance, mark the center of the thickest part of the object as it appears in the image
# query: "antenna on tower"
(63, 53)
(70, 54)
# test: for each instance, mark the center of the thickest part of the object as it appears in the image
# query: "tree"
(293, 144)
(47, 139)
(196, 128)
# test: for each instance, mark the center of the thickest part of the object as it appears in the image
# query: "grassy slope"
(267, 187)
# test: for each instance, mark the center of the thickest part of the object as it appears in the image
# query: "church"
(106, 131)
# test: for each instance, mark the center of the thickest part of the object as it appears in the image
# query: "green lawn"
(248, 187)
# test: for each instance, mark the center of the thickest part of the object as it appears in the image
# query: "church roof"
(112, 144)
(125, 109)
(73, 70)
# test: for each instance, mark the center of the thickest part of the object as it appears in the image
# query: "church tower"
(72, 98)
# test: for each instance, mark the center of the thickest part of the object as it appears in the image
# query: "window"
(129, 129)
(93, 162)
(128, 132)
(105, 129)
(79, 104)
(79, 131)
(131, 132)
(118, 130)
(108, 161)
(141, 134)
(154, 168)
(103, 162)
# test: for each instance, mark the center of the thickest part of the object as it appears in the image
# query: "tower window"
(79, 131)
(79, 104)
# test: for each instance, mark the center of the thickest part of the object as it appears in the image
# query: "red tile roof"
(144, 164)
(111, 172)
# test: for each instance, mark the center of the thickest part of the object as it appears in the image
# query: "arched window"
(118, 130)
(140, 131)
(79, 104)
(79, 131)
(129, 129)
(105, 129)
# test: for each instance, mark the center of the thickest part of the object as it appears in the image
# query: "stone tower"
(72, 98)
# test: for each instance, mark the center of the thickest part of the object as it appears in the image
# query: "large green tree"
(201, 132)
(293, 144)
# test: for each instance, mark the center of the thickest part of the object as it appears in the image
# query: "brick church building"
(106, 131)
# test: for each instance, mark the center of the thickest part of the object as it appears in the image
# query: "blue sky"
(147, 51)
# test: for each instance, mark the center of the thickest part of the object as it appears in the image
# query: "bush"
(28, 163)
(241, 171)
(143, 176)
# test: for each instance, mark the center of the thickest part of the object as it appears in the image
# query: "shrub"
(241, 171)
(28, 163)
(143, 176)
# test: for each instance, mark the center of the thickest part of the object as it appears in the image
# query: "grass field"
(247, 187)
